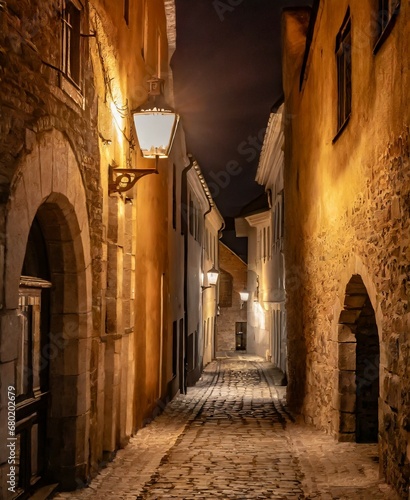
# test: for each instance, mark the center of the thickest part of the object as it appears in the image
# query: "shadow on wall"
(297, 348)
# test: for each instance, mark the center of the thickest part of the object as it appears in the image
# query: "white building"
(203, 226)
(262, 223)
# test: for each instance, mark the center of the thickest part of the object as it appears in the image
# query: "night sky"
(227, 77)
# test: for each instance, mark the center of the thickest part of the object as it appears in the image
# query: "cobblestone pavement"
(231, 437)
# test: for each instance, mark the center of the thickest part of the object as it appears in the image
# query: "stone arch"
(48, 186)
(358, 365)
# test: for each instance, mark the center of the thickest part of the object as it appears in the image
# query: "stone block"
(32, 182)
(3, 432)
(392, 352)
(74, 301)
(57, 391)
(113, 215)
(7, 378)
(18, 227)
(75, 440)
(77, 356)
(10, 324)
(347, 422)
(76, 396)
(347, 402)
(59, 165)
(347, 382)
(46, 164)
(347, 356)
(349, 316)
(346, 437)
(346, 334)
(355, 301)
(75, 185)
(391, 390)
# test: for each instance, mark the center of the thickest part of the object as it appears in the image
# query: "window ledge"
(341, 129)
(72, 91)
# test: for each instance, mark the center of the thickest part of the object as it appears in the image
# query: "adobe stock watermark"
(221, 7)
(11, 440)
(250, 149)
(369, 374)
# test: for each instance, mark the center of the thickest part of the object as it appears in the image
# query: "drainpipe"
(217, 290)
(184, 233)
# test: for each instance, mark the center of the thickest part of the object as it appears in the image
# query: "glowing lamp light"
(244, 296)
(212, 275)
(156, 130)
(155, 125)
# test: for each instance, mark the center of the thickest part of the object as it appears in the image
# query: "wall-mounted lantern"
(244, 296)
(212, 276)
(155, 125)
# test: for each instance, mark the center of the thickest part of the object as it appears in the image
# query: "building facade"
(270, 175)
(232, 325)
(202, 232)
(214, 224)
(92, 280)
(347, 186)
(261, 222)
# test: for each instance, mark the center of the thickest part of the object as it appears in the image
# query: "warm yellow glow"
(155, 131)
(259, 314)
(118, 120)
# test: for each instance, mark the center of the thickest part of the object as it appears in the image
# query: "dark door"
(240, 336)
(31, 389)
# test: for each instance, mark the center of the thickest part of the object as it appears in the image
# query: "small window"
(127, 11)
(174, 197)
(386, 16)
(71, 57)
(144, 30)
(174, 348)
(344, 73)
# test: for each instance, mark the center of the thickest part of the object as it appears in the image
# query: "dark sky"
(227, 76)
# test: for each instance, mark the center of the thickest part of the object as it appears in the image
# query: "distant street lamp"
(155, 125)
(212, 276)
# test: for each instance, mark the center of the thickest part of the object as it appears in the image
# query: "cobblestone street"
(231, 437)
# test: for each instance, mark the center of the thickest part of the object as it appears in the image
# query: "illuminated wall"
(346, 219)
(109, 321)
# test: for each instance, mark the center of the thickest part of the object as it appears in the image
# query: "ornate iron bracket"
(123, 179)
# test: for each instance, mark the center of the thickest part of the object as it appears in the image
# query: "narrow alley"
(231, 437)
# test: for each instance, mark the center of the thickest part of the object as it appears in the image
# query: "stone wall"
(347, 214)
(225, 327)
(108, 265)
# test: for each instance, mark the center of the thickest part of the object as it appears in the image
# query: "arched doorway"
(54, 369)
(358, 360)
(47, 237)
